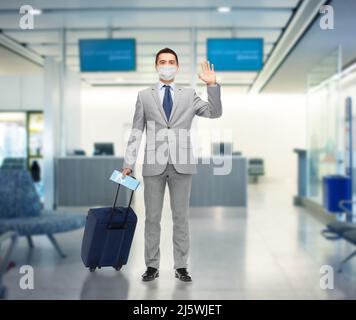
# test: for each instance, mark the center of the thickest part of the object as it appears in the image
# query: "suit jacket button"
(168, 127)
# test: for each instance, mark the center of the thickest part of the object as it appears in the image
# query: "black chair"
(256, 168)
(338, 230)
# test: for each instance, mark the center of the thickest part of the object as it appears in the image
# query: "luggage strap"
(122, 225)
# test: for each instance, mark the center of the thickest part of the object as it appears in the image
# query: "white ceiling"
(315, 47)
(13, 64)
(182, 25)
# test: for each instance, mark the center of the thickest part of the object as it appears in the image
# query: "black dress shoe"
(150, 274)
(183, 275)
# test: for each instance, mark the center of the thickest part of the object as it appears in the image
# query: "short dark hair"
(166, 50)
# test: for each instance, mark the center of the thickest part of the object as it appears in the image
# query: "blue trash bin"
(335, 189)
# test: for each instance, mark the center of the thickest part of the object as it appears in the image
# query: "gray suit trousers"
(179, 185)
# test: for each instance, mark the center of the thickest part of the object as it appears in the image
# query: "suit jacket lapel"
(177, 93)
(158, 103)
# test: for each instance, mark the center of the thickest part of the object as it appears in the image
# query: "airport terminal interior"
(271, 211)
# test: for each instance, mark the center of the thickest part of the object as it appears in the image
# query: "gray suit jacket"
(168, 140)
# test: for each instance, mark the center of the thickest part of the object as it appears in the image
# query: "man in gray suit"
(166, 110)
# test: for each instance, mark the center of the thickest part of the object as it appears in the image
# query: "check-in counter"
(84, 181)
(217, 185)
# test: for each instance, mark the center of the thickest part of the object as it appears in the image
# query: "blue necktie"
(167, 101)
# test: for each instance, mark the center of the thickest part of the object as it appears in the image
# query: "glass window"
(13, 142)
(324, 124)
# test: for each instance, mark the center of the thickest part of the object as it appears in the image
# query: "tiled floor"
(272, 250)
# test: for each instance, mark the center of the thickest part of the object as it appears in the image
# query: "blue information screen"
(235, 54)
(107, 55)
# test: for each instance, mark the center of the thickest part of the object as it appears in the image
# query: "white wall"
(21, 92)
(105, 111)
(267, 126)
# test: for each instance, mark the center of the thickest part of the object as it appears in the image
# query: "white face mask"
(167, 72)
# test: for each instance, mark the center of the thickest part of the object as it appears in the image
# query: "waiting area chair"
(337, 230)
(21, 210)
(255, 168)
(14, 163)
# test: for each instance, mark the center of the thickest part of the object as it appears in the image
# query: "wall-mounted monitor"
(107, 55)
(234, 54)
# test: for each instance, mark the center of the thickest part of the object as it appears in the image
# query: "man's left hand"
(208, 74)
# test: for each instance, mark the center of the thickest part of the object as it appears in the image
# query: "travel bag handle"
(122, 225)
